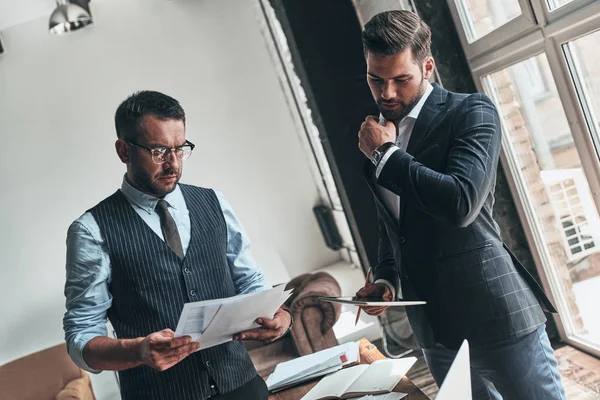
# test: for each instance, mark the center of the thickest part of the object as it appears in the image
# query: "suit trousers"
(522, 368)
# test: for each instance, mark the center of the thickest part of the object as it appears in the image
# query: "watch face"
(375, 157)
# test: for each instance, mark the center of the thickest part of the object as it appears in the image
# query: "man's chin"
(391, 115)
(164, 188)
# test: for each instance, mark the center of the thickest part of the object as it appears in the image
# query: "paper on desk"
(327, 367)
(387, 396)
(212, 322)
(319, 364)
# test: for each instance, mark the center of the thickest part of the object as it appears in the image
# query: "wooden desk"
(296, 393)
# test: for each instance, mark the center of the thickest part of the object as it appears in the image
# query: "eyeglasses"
(161, 154)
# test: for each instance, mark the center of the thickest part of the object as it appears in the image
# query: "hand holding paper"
(271, 329)
(213, 322)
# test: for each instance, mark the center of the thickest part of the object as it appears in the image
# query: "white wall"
(57, 100)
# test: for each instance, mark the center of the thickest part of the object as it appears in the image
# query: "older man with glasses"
(147, 249)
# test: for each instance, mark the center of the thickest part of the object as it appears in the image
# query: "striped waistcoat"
(150, 286)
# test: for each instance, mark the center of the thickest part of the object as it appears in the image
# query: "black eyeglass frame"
(166, 151)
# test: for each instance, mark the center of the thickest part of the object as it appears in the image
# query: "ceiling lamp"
(69, 15)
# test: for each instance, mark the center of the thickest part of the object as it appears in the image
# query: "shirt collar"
(414, 113)
(148, 202)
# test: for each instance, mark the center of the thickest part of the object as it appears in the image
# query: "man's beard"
(404, 108)
(148, 185)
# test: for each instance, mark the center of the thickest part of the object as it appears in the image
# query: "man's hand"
(372, 135)
(161, 350)
(379, 291)
(271, 330)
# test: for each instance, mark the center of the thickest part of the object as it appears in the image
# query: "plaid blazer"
(446, 248)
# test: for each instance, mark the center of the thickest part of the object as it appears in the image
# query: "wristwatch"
(378, 153)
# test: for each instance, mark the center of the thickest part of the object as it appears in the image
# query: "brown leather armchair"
(46, 375)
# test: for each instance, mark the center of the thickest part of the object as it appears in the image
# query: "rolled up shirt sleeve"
(245, 271)
(87, 287)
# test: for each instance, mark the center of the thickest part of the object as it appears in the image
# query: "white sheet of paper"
(195, 318)
(387, 396)
(457, 385)
(332, 365)
(311, 364)
(212, 322)
(383, 375)
(336, 384)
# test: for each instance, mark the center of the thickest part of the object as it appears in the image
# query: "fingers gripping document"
(213, 322)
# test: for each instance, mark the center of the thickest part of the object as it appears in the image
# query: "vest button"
(402, 240)
(192, 292)
(208, 364)
(186, 270)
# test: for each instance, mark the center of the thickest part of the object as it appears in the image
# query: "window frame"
(522, 24)
(494, 52)
(546, 16)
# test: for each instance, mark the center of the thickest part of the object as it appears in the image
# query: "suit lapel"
(427, 120)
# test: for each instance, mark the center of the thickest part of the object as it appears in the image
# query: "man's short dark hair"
(131, 112)
(391, 32)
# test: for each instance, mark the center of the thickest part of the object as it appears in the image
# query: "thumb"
(389, 124)
(368, 290)
(372, 118)
(160, 338)
(268, 323)
(167, 333)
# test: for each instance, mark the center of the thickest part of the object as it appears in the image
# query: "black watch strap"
(378, 153)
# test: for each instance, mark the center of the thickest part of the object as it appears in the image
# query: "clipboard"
(367, 302)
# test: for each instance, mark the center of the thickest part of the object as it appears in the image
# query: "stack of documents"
(213, 322)
(366, 379)
(312, 366)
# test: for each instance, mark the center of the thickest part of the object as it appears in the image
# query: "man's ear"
(122, 149)
(428, 67)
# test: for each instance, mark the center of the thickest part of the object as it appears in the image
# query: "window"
(536, 78)
(574, 208)
(554, 4)
(584, 62)
(549, 176)
(540, 65)
(480, 17)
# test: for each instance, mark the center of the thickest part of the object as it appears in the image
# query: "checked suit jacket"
(446, 248)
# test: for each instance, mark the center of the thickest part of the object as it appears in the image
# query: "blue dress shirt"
(89, 271)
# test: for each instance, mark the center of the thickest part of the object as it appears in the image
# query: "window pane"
(557, 191)
(554, 4)
(585, 64)
(480, 17)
